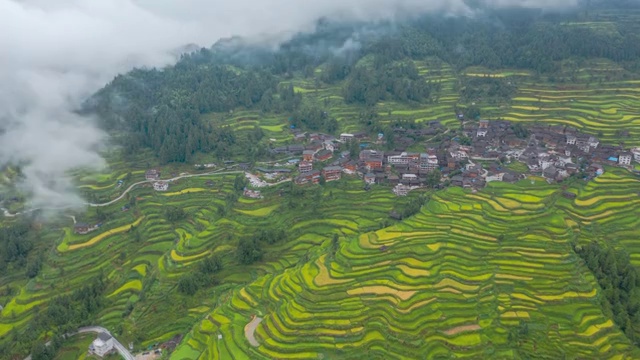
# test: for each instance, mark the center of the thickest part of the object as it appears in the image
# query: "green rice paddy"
(456, 280)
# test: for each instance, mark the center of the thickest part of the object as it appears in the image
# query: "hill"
(523, 270)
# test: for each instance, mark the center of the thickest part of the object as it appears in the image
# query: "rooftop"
(104, 336)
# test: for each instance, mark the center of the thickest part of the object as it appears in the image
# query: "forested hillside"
(163, 109)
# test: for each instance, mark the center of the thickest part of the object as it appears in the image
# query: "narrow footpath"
(250, 331)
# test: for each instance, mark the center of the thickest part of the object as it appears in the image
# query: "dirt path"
(458, 329)
(250, 329)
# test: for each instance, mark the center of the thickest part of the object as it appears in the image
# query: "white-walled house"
(625, 159)
(102, 345)
(636, 154)
(344, 137)
(494, 177)
(329, 145)
(161, 186)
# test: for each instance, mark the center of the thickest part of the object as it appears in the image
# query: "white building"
(545, 163)
(402, 159)
(103, 345)
(344, 137)
(459, 155)
(328, 145)
(370, 179)
(428, 162)
(253, 194)
(482, 132)
(161, 186)
(636, 154)
(409, 177)
(625, 159)
(401, 190)
(571, 140)
(584, 147)
(495, 177)
(593, 142)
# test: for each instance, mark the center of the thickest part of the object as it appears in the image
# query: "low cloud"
(55, 53)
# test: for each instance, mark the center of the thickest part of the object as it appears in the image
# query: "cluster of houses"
(552, 152)
(478, 156)
(373, 166)
(154, 175)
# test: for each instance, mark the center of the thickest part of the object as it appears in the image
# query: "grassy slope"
(456, 278)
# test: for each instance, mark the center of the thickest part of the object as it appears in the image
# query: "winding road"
(217, 172)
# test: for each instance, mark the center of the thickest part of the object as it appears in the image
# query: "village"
(481, 154)
(484, 151)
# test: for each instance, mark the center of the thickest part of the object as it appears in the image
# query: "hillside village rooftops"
(333, 168)
(279, 170)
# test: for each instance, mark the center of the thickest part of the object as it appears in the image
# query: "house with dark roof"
(308, 177)
(307, 155)
(370, 178)
(305, 166)
(152, 175)
(295, 149)
(324, 155)
(331, 173)
(103, 345)
(82, 228)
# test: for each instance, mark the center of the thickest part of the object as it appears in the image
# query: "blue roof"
(613, 159)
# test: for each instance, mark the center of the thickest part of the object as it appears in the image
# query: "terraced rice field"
(142, 254)
(455, 279)
(605, 110)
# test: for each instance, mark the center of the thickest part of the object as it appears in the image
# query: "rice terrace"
(436, 187)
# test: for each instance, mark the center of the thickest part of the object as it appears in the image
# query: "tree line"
(162, 109)
(619, 281)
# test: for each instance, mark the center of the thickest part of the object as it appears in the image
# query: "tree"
(174, 213)
(335, 244)
(433, 178)
(248, 251)
(520, 131)
(271, 236)
(210, 265)
(618, 280)
(465, 140)
(354, 149)
(189, 284)
(239, 183)
(34, 266)
(472, 112)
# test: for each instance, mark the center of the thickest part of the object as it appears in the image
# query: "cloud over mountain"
(55, 53)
